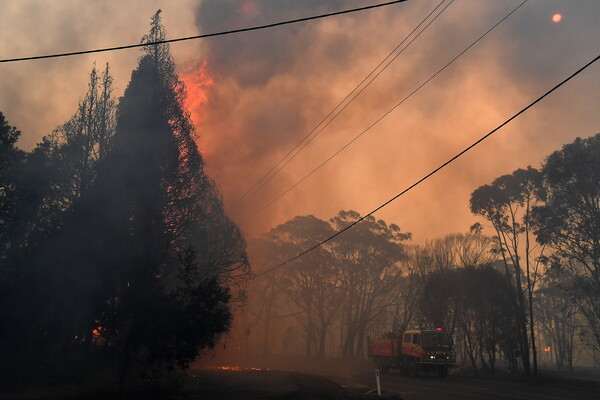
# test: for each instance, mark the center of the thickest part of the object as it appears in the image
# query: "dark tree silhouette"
(311, 281)
(45, 296)
(569, 222)
(11, 161)
(116, 249)
(558, 315)
(479, 301)
(156, 210)
(369, 270)
(346, 285)
(508, 203)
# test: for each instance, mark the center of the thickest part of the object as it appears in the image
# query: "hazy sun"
(556, 18)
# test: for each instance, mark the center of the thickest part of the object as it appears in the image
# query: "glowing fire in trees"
(194, 75)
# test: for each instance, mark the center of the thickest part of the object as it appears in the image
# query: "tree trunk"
(530, 293)
(309, 335)
(522, 321)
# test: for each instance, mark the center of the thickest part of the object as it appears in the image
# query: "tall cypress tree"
(160, 244)
(126, 250)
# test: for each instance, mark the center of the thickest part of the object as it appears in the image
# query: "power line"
(263, 180)
(424, 178)
(275, 170)
(254, 28)
(387, 112)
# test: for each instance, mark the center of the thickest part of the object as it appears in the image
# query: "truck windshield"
(436, 341)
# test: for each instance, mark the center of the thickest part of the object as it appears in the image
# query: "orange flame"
(97, 338)
(195, 76)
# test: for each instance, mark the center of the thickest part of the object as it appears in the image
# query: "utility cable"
(387, 112)
(275, 170)
(207, 35)
(424, 178)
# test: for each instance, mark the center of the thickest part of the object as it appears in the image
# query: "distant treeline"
(115, 251)
(534, 278)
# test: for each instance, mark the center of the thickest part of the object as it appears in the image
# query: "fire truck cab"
(414, 351)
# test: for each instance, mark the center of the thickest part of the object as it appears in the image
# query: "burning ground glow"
(237, 368)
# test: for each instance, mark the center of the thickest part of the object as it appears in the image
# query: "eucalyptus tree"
(369, 256)
(310, 282)
(558, 314)
(475, 304)
(569, 222)
(508, 203)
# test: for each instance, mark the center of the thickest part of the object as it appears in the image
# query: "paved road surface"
(459, 387)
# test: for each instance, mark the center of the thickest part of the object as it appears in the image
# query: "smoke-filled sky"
(255, 95)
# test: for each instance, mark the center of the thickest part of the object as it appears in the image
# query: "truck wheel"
(413, 369)
(442, 372)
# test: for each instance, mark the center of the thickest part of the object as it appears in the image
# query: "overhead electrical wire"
(387, 112)
(433, 172)
(207, 35)
(271, 173)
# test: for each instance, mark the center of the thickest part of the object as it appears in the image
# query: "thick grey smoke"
(255, 58)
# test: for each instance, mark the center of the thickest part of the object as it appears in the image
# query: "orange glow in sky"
(556, 18)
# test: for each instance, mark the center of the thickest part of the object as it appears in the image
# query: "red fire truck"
(413, 351)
